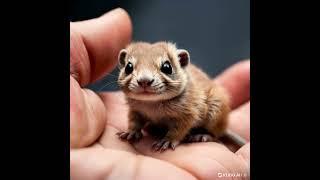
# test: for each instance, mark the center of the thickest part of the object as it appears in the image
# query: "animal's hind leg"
(199, 135)
(199, 138)
(218, 110)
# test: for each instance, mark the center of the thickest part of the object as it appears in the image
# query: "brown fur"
(196, 101)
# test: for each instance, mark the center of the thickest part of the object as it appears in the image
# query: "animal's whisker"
(159, 88)
(112, 75)
(171, 90)
(133, 85)
(175, 83)
(134, 75)
(107, 85)
(157, 84)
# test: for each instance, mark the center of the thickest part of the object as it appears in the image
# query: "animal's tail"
(235, 138)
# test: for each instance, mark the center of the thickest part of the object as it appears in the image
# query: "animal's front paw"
(131, 136)
(164, 144)
(199, 138)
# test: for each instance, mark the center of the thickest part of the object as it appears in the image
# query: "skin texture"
(95, 151)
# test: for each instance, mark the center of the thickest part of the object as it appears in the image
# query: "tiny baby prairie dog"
(163, 88)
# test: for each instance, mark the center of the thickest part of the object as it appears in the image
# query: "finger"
(95, 43)
(117, 121)
(116, 109)
(244, 153)
(202, 160)
(239, 121)
(87, 116)
(236, 81)
(100, 163)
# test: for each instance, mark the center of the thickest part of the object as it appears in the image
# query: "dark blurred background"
(215, 32)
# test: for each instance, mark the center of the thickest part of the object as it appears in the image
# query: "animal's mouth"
(146, 92)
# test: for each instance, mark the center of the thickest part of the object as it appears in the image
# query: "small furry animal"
(163, 89)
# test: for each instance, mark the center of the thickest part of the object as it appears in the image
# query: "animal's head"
(152, 72)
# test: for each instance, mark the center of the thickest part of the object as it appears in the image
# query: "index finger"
(95, 44)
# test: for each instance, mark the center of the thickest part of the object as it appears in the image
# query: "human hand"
(97, 153)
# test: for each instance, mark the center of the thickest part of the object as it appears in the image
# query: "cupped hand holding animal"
(97, 153)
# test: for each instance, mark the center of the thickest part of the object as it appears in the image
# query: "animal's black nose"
(145, 82)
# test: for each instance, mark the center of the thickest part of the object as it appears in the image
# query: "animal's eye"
(166, 68)
(129, 68)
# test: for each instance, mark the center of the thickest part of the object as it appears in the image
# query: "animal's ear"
(184, 57)
(122, 58)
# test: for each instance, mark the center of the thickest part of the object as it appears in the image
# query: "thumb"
(95, 44)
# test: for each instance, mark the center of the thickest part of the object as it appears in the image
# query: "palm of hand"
(98, 153)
